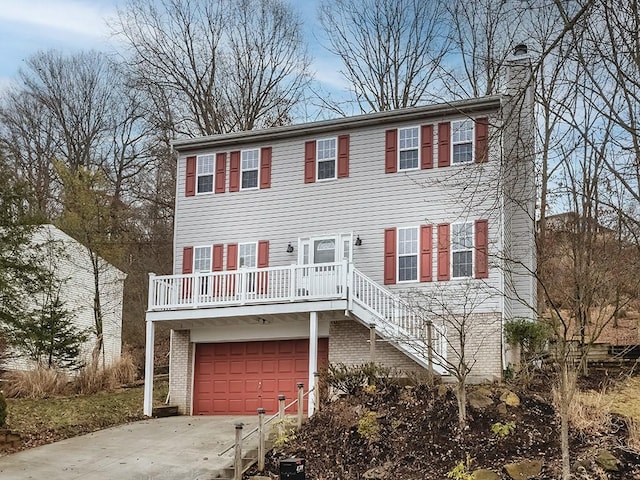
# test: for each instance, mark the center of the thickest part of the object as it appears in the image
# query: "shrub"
(531, 336)
(369, 427)
(3, 411)
(41, 382)
(461, 470)
(347, 378)
(351, 379)
(502, 430)
(286, 432)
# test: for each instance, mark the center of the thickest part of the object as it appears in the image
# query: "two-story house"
(388, 236)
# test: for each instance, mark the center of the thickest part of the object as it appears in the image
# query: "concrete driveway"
(184, 448)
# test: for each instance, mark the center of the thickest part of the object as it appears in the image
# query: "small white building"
(70, 261)
(310, 244)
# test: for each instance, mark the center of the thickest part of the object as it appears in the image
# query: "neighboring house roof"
(461, 107)
(49, 232)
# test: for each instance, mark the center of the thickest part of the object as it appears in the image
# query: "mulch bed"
(418, 437)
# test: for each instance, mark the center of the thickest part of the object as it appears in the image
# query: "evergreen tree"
(33, 320)
(47, 335)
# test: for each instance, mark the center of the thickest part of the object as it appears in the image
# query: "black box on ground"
(292, 469)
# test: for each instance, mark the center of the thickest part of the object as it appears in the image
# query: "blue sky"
(27, 26)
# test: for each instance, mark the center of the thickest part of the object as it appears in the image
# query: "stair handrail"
(398, 303)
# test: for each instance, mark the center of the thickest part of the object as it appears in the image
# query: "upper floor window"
(408, 141)
(462, 141)
(408, 254)
(249, 165)
(326, 158)
(204, 173)
(462, 249)
(202, 259)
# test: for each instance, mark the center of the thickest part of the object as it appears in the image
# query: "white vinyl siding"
(367, 202)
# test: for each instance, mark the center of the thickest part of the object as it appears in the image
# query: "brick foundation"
(180, 370)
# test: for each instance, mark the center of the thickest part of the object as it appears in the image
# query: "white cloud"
(66, 16)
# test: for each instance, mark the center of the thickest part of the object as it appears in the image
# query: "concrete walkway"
(174, 448)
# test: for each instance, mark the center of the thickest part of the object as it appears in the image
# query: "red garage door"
(238, 378)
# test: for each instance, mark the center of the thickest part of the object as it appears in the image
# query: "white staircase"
(398, 322)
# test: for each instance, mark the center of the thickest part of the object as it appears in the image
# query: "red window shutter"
(234, 172)
(444, 148)
(190, 178)
(221, 172)
(343, 156)
(426, 132)
(482, 249)
(390, 256)
(482, 139)
(187, 260)
(217, 266)
(263, 262)
(216, 260)
(426, 253)
(310, 162)
(232, 256)
(443, 252)
(390, 155)
(187, 268)
(265, 167)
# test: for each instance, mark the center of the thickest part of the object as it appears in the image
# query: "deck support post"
(148, 369)
(313, 360)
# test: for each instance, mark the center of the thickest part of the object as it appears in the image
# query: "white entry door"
(324, 253)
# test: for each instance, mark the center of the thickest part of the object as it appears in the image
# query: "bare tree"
(483, 34)
(468, 329)
(219, 65)
(391, 50)
(29, 138)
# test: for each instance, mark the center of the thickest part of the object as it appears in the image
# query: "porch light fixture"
(289, 248)
(358, 241)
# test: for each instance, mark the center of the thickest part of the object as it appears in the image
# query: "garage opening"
(239, 377)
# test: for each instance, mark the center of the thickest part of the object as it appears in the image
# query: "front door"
(324, 252)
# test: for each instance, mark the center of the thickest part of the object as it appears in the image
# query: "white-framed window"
(326, 155)
(408, 254)
(247, 255)
(204, 173)
(249, 168)
(248, 258)
(202, 264)
(408, 151)
(462, 141)
(201, 259)
(462, 250)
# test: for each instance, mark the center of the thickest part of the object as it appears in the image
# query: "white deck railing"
(248, 286)
(395, 318)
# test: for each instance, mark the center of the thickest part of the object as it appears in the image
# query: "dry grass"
(41, 421)
(38, 383)
(48, 382)
(93, 379)
(633, 437)
(626, 399)
(590, 412)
